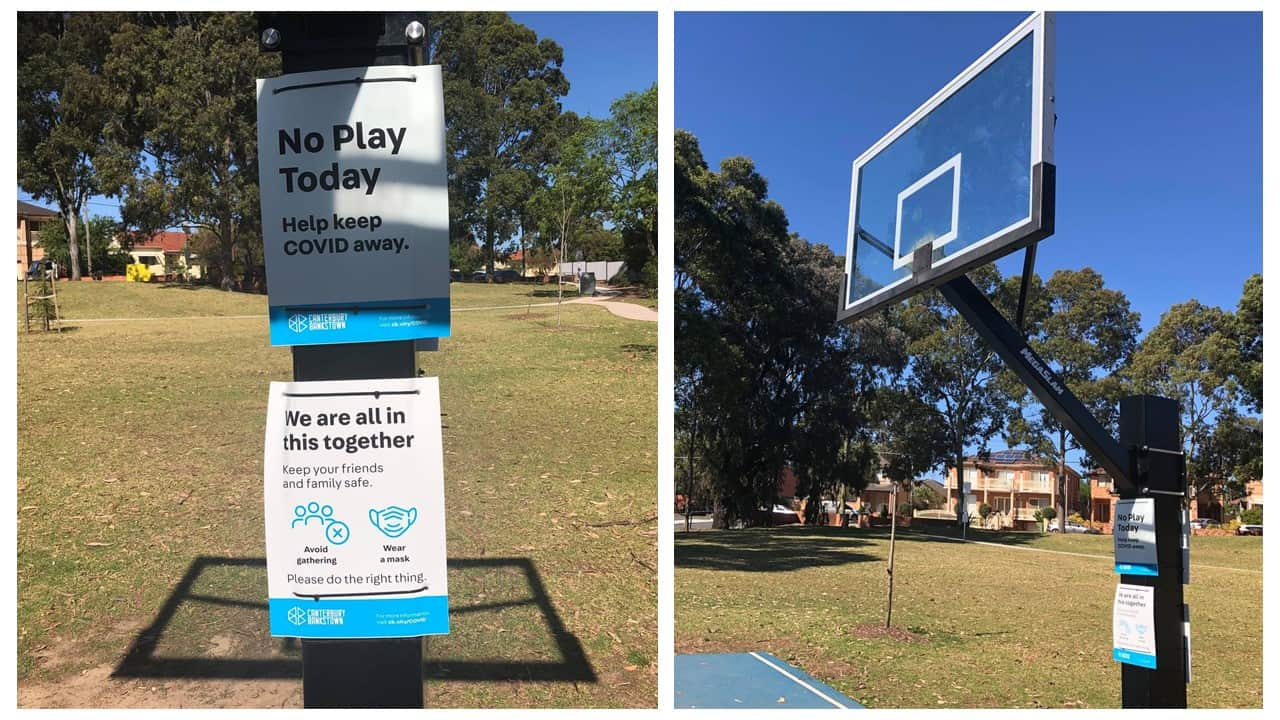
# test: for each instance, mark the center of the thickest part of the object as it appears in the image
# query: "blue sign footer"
(1130, 657)
(384, 617)
(359, 322)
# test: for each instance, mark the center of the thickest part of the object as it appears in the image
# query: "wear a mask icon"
(393, 520)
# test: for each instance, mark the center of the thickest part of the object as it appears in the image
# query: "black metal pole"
(1149, 425)
(352, 673)
(1147, 462)
(1012, 347)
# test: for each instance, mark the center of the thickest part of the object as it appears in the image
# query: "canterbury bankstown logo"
(298, 323)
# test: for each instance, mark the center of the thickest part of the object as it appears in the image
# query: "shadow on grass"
(552, 293)
(142, 661)
(1003, 537)
(646, 350)
(766, 550)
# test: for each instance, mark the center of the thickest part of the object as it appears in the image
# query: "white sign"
(354, 509)
(1133, 630)
(355, 204)
(1135, 537)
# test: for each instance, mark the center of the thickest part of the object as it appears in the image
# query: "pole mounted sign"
(1133, 628)
(355, 205)
(1135, 537)
(354, 508)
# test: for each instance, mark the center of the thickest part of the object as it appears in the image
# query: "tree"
(63, 107)
(100, 255)
(910, 443)
(1192, 355)
(632, 133)
(1230, 456)
(764, 379)
(1085, 332)
(576, 189)
(502, 90)
(1248, 328)
(184, 145)
(924, 497)
(955, 375)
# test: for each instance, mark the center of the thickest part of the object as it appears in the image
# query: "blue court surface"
(750, 680)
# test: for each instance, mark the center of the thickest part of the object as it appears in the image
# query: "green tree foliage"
(1252, 516)
(184, 142)
(99, 254)
(1192, 356)
(576, 187)
(924, 497)
(632, 142)
(1230, 456)
(764, 377)
(1085, 332)
(955, 375)
(63, 108)
(1248, 322)
(502, 90)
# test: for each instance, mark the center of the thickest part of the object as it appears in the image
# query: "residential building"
(1253, 495)
(31, 219)
(1102, 498)
(167, 254)
(1015, 483)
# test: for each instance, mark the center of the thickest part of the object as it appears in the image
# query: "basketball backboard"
(965, 179)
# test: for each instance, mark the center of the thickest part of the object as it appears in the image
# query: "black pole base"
(362, 673)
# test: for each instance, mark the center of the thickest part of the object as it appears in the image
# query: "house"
(31, 219)
(166, 254)
(1102, 498)
(1253, 495)
(1015, 483)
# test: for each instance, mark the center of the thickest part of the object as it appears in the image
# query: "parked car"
(1203, 523)
(1247, 529)
(507, 275)
(455, 275)
(783, 515)
(36, 269)
(1074, 527)
(479, 276)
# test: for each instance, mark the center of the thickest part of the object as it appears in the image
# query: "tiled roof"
(29, 210)
(166, 241)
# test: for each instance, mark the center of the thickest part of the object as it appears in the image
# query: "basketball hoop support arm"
(1007, 342)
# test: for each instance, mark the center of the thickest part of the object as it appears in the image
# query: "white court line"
(1064, 552)
(799, 682)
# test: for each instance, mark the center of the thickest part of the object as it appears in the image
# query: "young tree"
(63, 107)
(910, 444)
(956, 375)
(1085, 332)
(577, 189)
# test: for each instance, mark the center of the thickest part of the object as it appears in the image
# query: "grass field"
(994, 626)
(139, 461)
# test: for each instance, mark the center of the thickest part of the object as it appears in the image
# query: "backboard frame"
(1039, 221)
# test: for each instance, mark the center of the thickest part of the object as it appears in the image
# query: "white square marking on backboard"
(953, 165)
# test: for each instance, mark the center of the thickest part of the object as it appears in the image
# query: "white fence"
(604, 269)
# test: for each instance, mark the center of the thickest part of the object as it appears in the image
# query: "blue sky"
(606, 55)
(1158, 142)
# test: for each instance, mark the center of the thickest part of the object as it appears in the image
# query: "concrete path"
(630, 311)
